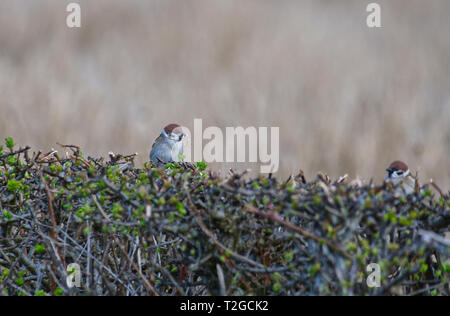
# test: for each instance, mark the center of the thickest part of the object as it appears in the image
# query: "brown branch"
(53, 229)
(135, 267)
(15, 152)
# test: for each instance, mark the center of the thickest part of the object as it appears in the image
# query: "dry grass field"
(347, 99)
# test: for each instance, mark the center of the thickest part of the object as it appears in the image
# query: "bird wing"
(161, 150)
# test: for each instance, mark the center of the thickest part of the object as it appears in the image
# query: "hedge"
(185, 230)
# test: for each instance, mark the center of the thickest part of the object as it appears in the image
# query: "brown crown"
(399, 165)
(169, 128)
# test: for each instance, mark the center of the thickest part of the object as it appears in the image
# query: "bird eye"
(399, 172)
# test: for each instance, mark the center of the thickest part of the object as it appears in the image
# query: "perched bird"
(398, 173)
(168, 147)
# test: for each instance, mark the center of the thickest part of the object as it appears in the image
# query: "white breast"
(177, 150)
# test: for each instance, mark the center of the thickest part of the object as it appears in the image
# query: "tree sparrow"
(168, 146)
(398, 173)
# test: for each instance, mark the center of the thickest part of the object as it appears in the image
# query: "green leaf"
(289, 255)
(11, 160)
(181, 210)
(39, 293)
(58, 292)
(7, 214)
(276, 287)
(201, 165)
(9, 142)
(39, 249)
(13, 186)
(19, 281)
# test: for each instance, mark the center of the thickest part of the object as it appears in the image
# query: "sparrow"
(168, 147)
(398, 173)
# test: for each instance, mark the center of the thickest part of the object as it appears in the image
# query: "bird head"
(396, 171)
(173, 132)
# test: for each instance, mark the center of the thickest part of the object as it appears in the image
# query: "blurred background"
(347, 99)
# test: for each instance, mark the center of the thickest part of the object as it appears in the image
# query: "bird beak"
(389, 173)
